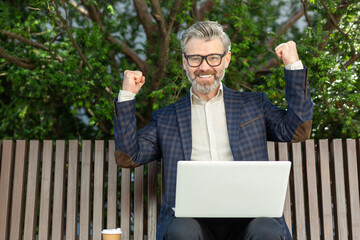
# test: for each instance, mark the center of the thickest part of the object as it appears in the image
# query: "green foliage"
(66, 90)
(335, 90)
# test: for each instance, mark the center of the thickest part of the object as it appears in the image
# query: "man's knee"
(264, 229)
(183, 228)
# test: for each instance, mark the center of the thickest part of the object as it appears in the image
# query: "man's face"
(205, 78)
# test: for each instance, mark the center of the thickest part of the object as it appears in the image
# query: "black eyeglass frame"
(204, 57)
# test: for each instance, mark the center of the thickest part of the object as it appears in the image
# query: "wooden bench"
(72, 190)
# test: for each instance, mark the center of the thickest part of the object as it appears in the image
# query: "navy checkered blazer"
(251, 121)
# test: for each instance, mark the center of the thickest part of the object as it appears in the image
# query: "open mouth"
(204, 76)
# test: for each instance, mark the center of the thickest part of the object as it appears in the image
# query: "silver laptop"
(226, 189)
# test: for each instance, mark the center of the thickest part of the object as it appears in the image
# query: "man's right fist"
(133, 81)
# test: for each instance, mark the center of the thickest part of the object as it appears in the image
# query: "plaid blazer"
(251, 121)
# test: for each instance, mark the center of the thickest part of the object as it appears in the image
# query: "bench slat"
(59, 191)
(353, 192)
(98, 202)
(45, 197)
(125, 203)
(271, 151)
(72, 190)
(299, 191)
(139, 203)
(16, 219)
(152, 199)
(284, 156)
(340, 207)
(85, 190)
(7, 163)
(326, 217)
(312, 189)
(112, 206)
(32, 192)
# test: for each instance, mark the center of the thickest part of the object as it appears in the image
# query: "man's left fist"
(287, 52)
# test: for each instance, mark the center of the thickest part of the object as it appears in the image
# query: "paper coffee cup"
(111, 234)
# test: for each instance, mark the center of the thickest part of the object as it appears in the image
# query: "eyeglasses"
(213, 60)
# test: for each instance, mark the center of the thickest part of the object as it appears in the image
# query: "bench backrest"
(72, 190)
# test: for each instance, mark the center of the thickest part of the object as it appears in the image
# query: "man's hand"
(133, 81)
(287, 52)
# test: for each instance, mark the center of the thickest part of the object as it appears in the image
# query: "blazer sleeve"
(133, 148)
(295, 124)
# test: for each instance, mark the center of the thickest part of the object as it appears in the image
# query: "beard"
(206, 87)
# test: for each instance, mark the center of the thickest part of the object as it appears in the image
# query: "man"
(212, 122)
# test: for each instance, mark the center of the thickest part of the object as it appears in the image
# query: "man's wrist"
(295, 66)
(125, 96)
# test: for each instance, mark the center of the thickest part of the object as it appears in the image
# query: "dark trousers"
(224, 229)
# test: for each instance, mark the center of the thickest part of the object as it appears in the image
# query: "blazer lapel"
(233, 104)
(183, 112)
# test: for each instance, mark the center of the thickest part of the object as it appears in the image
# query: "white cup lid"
(111, 231)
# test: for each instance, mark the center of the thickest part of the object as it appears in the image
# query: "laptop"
(231, 189)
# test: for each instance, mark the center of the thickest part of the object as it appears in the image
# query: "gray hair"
(206, 30)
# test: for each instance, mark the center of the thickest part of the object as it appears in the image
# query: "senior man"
(212, 122)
